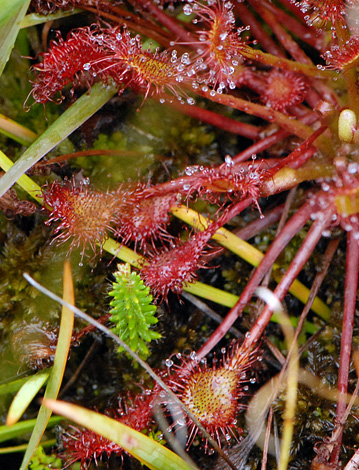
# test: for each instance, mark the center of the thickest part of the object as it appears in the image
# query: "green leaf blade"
(146, 450)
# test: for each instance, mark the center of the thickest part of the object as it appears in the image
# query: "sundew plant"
(196, 164)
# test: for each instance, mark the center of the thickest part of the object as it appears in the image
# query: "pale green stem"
(291, 374)
(33, 18)
(286, 64)
(287, 178)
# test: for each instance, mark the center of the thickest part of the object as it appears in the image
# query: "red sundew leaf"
(85, 215)
(219, 46)
(91, 54)
(144, 218)
(148, 451)
(213, 394)
(284, 89)
(174, 268)
(66, 62)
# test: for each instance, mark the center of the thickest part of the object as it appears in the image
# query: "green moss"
(42, 461)
(110, 170)
(15, 87)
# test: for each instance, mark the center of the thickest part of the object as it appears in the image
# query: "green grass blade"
(12, 387)
(25, 395)
(55, 379)
(25, 182)
(23, 427)
(146, 450)
(22, 447)
(12, 13)
(69, 121)
(16, 131)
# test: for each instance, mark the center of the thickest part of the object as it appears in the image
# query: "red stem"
(247, 18)
(141, 26)
(350, 294)
(267, 142)
(300, 155)
(168, 22)
(291, 46)
(217, 120)
(300, 259)
(258, 225)
(290, 125)
(260, 146)
(284, 38)
(292, 24)
(294, 8)
(281, 241)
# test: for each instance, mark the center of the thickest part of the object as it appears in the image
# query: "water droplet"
(193, 355)
(353, 168)
(87, 66)
(191, 101)
(187, 10)
(248, 334)
(169, 363)
(253, 381)
(228, 160)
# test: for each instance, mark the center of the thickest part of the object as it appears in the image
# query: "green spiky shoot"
(132, 311)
